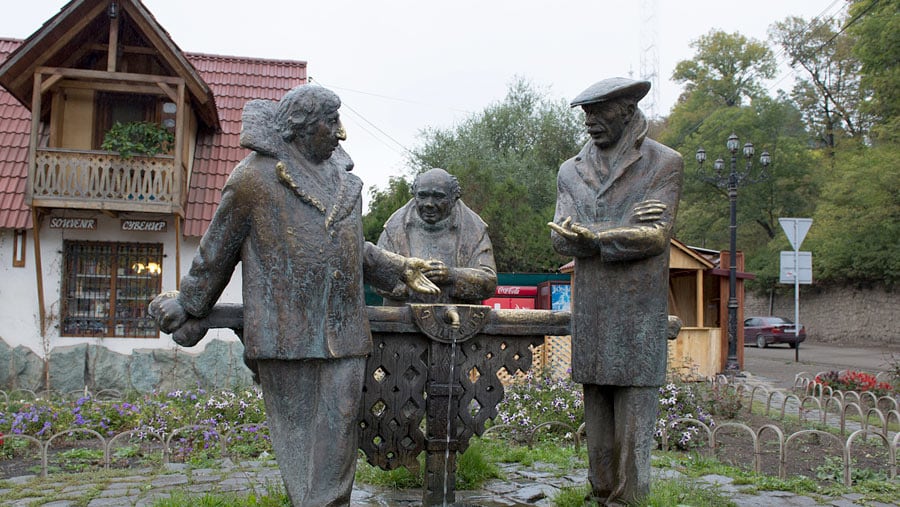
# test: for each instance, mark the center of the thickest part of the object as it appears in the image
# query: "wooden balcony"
(80, 179)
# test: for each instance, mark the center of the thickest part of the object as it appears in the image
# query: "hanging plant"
(138, 138)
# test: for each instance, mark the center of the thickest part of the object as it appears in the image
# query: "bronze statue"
(615, 208)
(291, 215)
(436, 225)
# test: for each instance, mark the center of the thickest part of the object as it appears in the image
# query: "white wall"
(19, 310)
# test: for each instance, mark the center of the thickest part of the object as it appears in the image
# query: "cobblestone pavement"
(523, 486)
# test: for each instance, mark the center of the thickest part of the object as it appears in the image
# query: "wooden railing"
(103, 180)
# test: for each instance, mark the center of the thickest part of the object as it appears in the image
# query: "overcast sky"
(403, 65)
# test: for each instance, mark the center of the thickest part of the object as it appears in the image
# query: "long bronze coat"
(302, 257)
(620, 291)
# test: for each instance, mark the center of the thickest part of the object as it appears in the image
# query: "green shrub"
(723, 400)
(138, 138)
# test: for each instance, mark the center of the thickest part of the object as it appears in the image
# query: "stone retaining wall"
(73, 368)
(837, 314)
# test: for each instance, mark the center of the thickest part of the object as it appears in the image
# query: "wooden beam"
(119, 205)
(36, 220)
(181, 183)
(114, 77)
(112, 51)
(136, 50)
(700, 302)
(113, 87)
(177, 252)
(49, 82)
(172, 94)
(33, 140)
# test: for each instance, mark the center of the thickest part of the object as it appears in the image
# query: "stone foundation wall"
(837, 314)
(73, 368)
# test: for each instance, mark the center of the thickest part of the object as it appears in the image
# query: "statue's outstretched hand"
(167, 311)
(414, 276)
(572, 231)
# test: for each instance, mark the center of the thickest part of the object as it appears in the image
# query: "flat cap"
(612, 88)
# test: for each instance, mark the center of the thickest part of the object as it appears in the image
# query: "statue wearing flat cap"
(615, 209)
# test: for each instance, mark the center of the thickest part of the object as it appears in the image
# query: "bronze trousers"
(312, 408)
(619, 422)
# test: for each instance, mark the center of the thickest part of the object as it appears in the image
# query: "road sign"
(796, 229)
(801, 273)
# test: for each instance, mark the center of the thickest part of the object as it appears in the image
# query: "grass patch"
(473, 468)
(275, 496)
(695, 465)
(565, 457)
(665, 493)
(398, 478)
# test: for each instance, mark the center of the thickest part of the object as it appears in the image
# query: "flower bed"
(854, 381)
(197, 420)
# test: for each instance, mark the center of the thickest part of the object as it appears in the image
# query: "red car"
(762, 331)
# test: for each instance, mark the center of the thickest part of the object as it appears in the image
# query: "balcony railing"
(102, 180)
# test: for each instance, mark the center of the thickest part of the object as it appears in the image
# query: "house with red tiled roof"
(114, 147)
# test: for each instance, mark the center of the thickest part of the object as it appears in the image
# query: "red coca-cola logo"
(516, 290)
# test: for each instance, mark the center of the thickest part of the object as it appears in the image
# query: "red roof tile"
(233, 80)
(15, 129)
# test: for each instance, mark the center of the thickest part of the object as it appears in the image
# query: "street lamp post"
(730, 182)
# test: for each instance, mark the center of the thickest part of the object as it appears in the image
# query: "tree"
(382, 204)
(856, 227)
(506, 159)
(827, 91)
(727, 67)
(875, 24)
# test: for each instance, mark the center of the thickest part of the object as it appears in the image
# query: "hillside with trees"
(832, 139)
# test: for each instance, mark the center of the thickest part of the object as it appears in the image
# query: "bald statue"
(615, 210)
(436, 225)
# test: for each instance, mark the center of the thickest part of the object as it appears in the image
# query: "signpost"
(796, 266)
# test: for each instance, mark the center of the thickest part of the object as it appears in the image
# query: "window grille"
(107, 287)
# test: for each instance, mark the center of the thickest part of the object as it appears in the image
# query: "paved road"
(776, 362)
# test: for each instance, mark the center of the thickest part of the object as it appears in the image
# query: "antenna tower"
(650, 55)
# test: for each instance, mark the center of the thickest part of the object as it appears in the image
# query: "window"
(107, 287)
(122, 108)
(19, 242)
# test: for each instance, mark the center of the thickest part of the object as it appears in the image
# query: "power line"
(404, 150)
(399, 99)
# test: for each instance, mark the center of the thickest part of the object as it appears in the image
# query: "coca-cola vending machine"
(513, 297)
